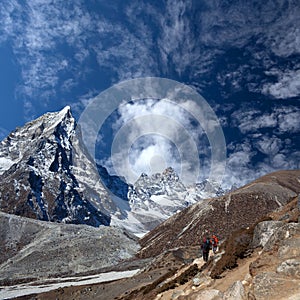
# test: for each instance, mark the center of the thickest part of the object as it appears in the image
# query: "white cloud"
(239, 168)
(249, 120)
(287, 42)
(284, 119)
(287, 86)
(269, 145)
(235, 23)
(181, 37)
(148, 130)
(289, 121)
(36, 30)
(242, 167)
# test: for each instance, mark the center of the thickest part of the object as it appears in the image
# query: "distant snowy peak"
(47, 174)
(154, 198)
(167, 182)
(209, 189)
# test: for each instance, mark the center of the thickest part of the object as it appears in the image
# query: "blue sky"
(242, 56)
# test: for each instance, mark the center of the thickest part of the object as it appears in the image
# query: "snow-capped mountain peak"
(46, 174)
(49, 127)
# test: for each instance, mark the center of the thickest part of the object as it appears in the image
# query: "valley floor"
(9, 292)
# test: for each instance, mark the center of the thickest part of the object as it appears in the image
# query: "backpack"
(206, 245)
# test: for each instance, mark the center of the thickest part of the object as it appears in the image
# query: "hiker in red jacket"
(214, 242)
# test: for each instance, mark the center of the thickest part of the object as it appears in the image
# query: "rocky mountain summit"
(46, 174)
(155, 198)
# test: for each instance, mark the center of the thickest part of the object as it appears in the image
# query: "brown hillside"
(239, 209)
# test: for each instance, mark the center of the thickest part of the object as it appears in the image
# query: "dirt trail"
(236, 274)
(228, 278)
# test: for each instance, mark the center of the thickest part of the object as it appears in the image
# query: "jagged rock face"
(46, 174)
(221, 216)
(155, 198)
(151, 200)
(207, 189)
(167, 183)
(115, 184)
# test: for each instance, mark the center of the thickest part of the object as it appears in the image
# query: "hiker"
(205, 247)
(214, 242)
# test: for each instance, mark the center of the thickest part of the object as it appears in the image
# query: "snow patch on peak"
(5, 164)
(63, 118)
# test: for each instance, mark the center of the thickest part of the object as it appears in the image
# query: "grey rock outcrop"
(235, 292)
(290, 267)
(276, 272)
(210, 294)
(263, 232)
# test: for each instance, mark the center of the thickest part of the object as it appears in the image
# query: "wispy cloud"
(269, 145)
(39, 31)
(283, 119)
(52, 40)
(242, 165)
(287, 85)
(154, 134)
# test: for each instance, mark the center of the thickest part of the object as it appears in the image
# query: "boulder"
(283, 236)
(204, 295)
(270, 285)
(290, 267)
(276, 272)
(263, 231)
(202, 280)
(235, 292)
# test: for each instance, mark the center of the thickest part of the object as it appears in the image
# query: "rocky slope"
(223, 215)
(259, 263)
(35, 250)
